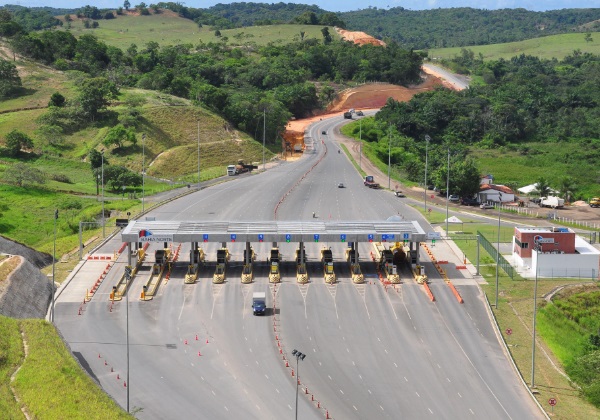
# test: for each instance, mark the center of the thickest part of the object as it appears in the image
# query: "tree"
(542, 186)
(20, 174)
(57, 100)
(116, 177)
(17, 140)
(126, 5)
(10, 81)
(326, 36)
(567, 188)
(118, 135)
(95, 95)
(51, 134)
(588, 37)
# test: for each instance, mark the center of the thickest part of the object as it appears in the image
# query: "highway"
(197, 351)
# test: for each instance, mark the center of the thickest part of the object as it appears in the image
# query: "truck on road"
(369, 181)
(240, 168)
(259, 303)
(553, 202)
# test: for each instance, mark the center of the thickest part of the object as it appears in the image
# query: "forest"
(286, 81)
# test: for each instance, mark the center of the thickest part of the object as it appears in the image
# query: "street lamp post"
(103, 221)
(128, 272)
(389, 157)
(198, 154)
(447, 192)
(264, 135)
(427, 140)
(53, 266)
(498, 248)
(299, 356)
(360, 144)
(143, 168)
(537, 263)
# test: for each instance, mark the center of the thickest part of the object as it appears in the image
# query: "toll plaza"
(139, 232)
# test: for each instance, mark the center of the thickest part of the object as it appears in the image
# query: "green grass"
(11, 357)
(553, 46)
(52, 385)
(169, 29)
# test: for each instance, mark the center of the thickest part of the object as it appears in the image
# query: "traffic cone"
(305, 389)
(185, 342)
(207, 341)
(327, 414)
(318, 404)
(292, 372)
(199, 354)
(280, 351)
(111, 369)
(312, 397)
(287, 364)
(196, 337)
(99, 357)
(124, 384)
(105, 364)
(118, 378)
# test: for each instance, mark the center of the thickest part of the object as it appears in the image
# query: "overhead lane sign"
(146, 235)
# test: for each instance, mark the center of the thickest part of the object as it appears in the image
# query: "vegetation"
(542, 113)
(462, 26)
(546, 47)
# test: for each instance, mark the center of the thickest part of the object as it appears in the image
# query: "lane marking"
(213, 392)
(405, 379)
(448, 379)
(257, 407)
(314, 350)
(277, 390)
(471, 411)
(369, 391)
(395, 364)
(438, 365)
(353, 364)
(342, 391)
(329, 377)
(430, 410)
(290, 407)
(459, 394)
(417, 394)
(226, 409)
(355, 408)
(360, 376)
(266, 376)
(381, 408)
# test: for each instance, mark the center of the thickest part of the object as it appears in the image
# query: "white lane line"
(369, 391)
(421, 338)
(387, 295)
(246, 391)
(226, 409)
(395, 364)
(429, 351)
(470, 316)
(181, 311)
(246, 338)
(309, 338)
(415, 328)
(381, 408)
(320, 364)
(192, 364)
(459, 394)
(353, 364)
(385, 350)
(250, 348)
(343, 338)
(290, 407)
(430, 410)
(202, 377)
(225, 363)
(360, 376)
(276, 390)
(347, 349)
(213, 392)
(405, 379)
(314, 350)
(234, 378)
(266, 376)
(257, 362)
(378, 339)
(438, 365)
(342, 391)
(417, 394)
(471, 411)
(356, 409)
(257, 407)
(448, 379)
(218, 351)
(329, 376)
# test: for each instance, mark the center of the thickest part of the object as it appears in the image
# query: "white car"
(486, 206)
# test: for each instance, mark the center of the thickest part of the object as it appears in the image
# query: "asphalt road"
(371, 352)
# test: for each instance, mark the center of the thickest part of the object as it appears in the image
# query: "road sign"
(508, 331)
(288, 237)
(316, 236)
(261, 237)
(370, 236)
(205, 237)
(233, 237)
(405, 236)
(552, 401)
(429, 209)
(343, 237)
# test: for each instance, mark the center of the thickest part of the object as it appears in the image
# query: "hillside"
(168, 28)
(552, 46)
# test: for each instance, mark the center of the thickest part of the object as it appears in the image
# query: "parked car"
(486, 206)
(359, 113)
(469, 201)
(399, 194)
(341, 185)
(323, 132)
(454, 198)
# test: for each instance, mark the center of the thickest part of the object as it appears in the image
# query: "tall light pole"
(143, 168)
(537, 263)
(427, 140)
(360, 144)
(264, 134)
(498, 248)
(447, 192)
(198, 153)
(390, 157)
(299, 356)
(128, 272)
(53, 266)
(103, 221)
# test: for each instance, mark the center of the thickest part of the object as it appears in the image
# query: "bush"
(62, 178)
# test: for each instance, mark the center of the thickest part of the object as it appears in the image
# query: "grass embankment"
(167, 28)
(553, 46)
(515, 311)
(50, 383)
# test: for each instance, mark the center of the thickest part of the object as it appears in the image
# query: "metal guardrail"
(491, 249)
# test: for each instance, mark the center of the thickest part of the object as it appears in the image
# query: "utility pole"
(447, 192)
(264, 135)
(198, 154)
(427, 140)
(143, 169)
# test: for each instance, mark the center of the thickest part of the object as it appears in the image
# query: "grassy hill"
(554, 46)
(167, 28)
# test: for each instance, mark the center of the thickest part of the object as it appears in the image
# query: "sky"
(343, 5)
